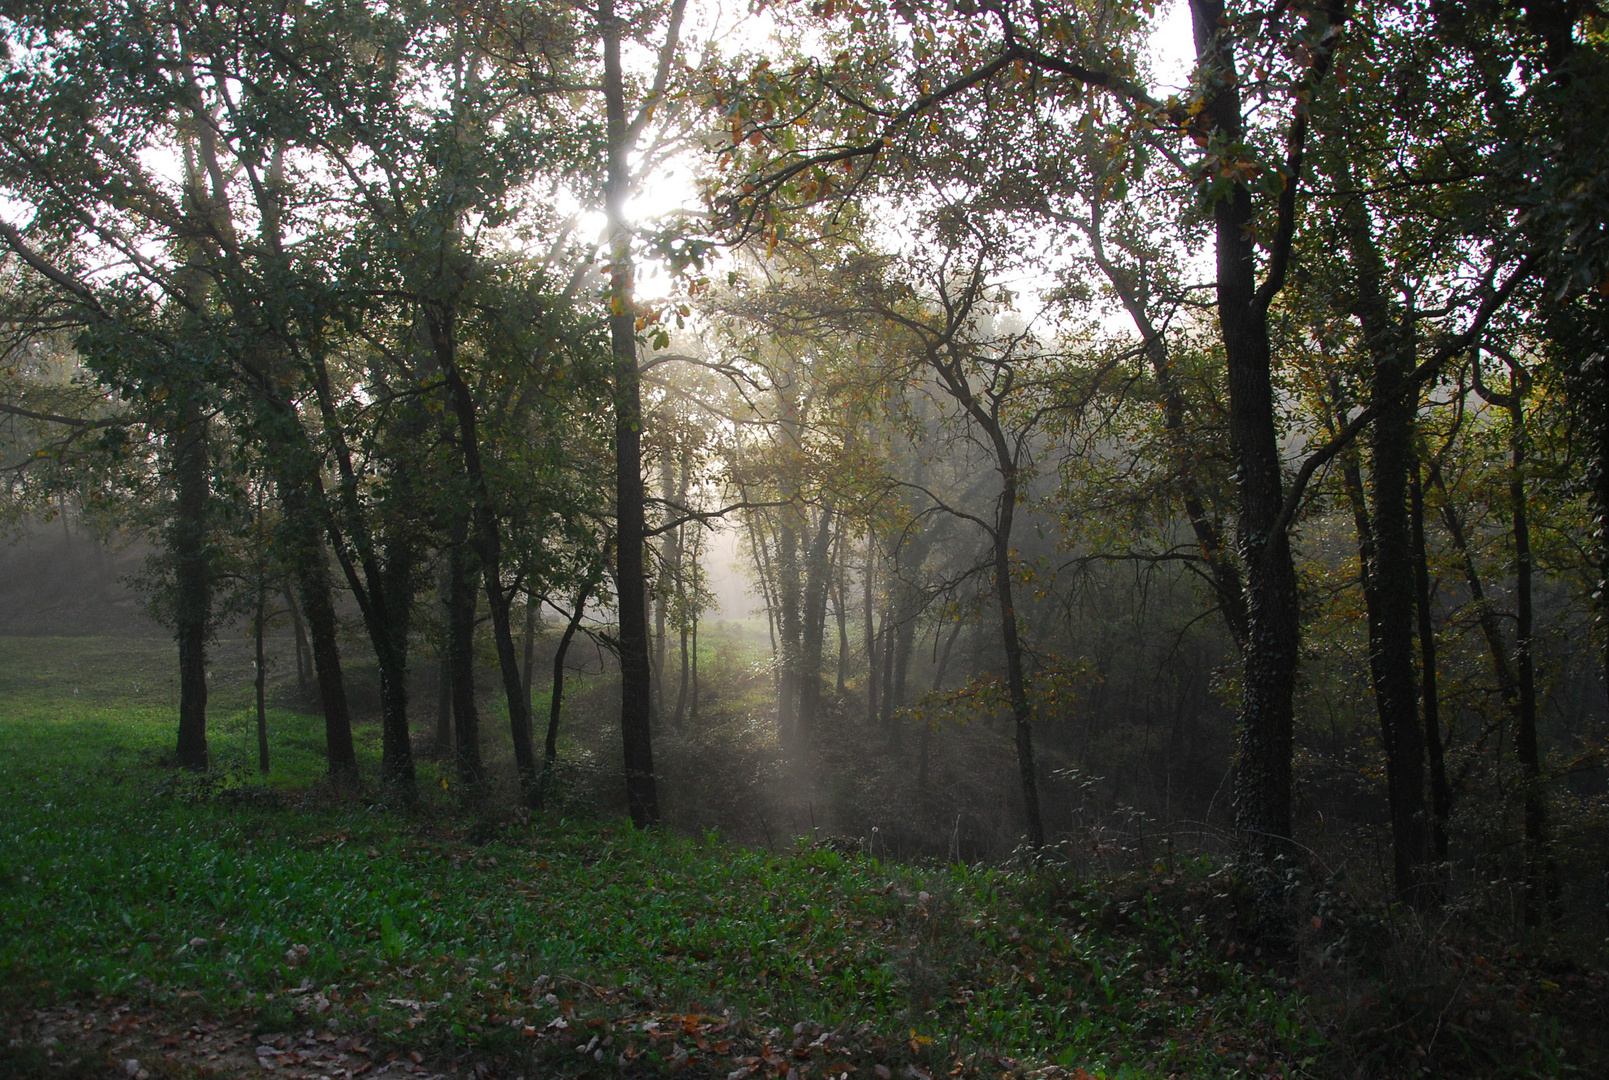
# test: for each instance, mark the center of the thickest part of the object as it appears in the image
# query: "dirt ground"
(107, 1039)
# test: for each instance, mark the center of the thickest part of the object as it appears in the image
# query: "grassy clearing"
(290, 910)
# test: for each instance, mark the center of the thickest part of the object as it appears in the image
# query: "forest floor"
(163, 925)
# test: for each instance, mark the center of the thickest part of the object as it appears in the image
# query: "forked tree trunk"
(1268, 676)
(550, 748)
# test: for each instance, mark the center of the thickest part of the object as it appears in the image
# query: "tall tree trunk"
(885, 677)
(868, 625)
(1265, 738)
(259, 622)
(528, 660)
(668, 558)
(1539, 869)
(790, 625)
(1485, 616)
(461, 654)
(692, 704)
(489, 554)
(764, 575)
(675, 592)
(1390, 595)
(396, 584)
(680, 714)
(952, 373)
(1016, 682)
(442, 745)
(1441, 795)
(840, 596)
(306, 545)
(187, 540)
(1222, 570)
(636, 690)
(813, 632)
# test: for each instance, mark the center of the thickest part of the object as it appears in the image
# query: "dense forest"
(1149, 433)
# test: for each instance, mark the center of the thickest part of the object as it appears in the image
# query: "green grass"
(120, 876)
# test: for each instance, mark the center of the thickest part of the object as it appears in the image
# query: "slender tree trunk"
(667, 559)
(304, 657)
(840, 596)
(818, 571)
(488, 552)
(885, 677)
(987, 417)
(1222, 569)
(868, 625)
(682, 683)
(676, 591)
(313, 574)
(442, 744)
(763, 573)
(550, 748)
(927, 728)
(1485, 616)
(187, 539)
(259, 683)
(391, 640)
(528, 660)
(789, 626)
(1265, 739)
(1539, 869)
(1016, 683)
(636, 690)
(461, 655)
(692, 705)
(1441, 796)
(1390, 595)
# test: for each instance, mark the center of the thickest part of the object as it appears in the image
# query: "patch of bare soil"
(111, 1039)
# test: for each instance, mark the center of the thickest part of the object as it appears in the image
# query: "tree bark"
(869, 628)
(550, 748)
(813, 632)
(1222, 570)
(840, 597)
(304, 658)
(636, 689)
(1441, 796)
(950, 371)
(1268, 675)
(1390, 591)
(187, 540)
(461, 655)
(258, 624)
(442, 745)
(1539, 870)
(306, 545)
(489, 554)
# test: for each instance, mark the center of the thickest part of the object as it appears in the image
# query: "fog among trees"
(913, 428)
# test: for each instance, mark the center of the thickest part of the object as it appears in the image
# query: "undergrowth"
(573, 946)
